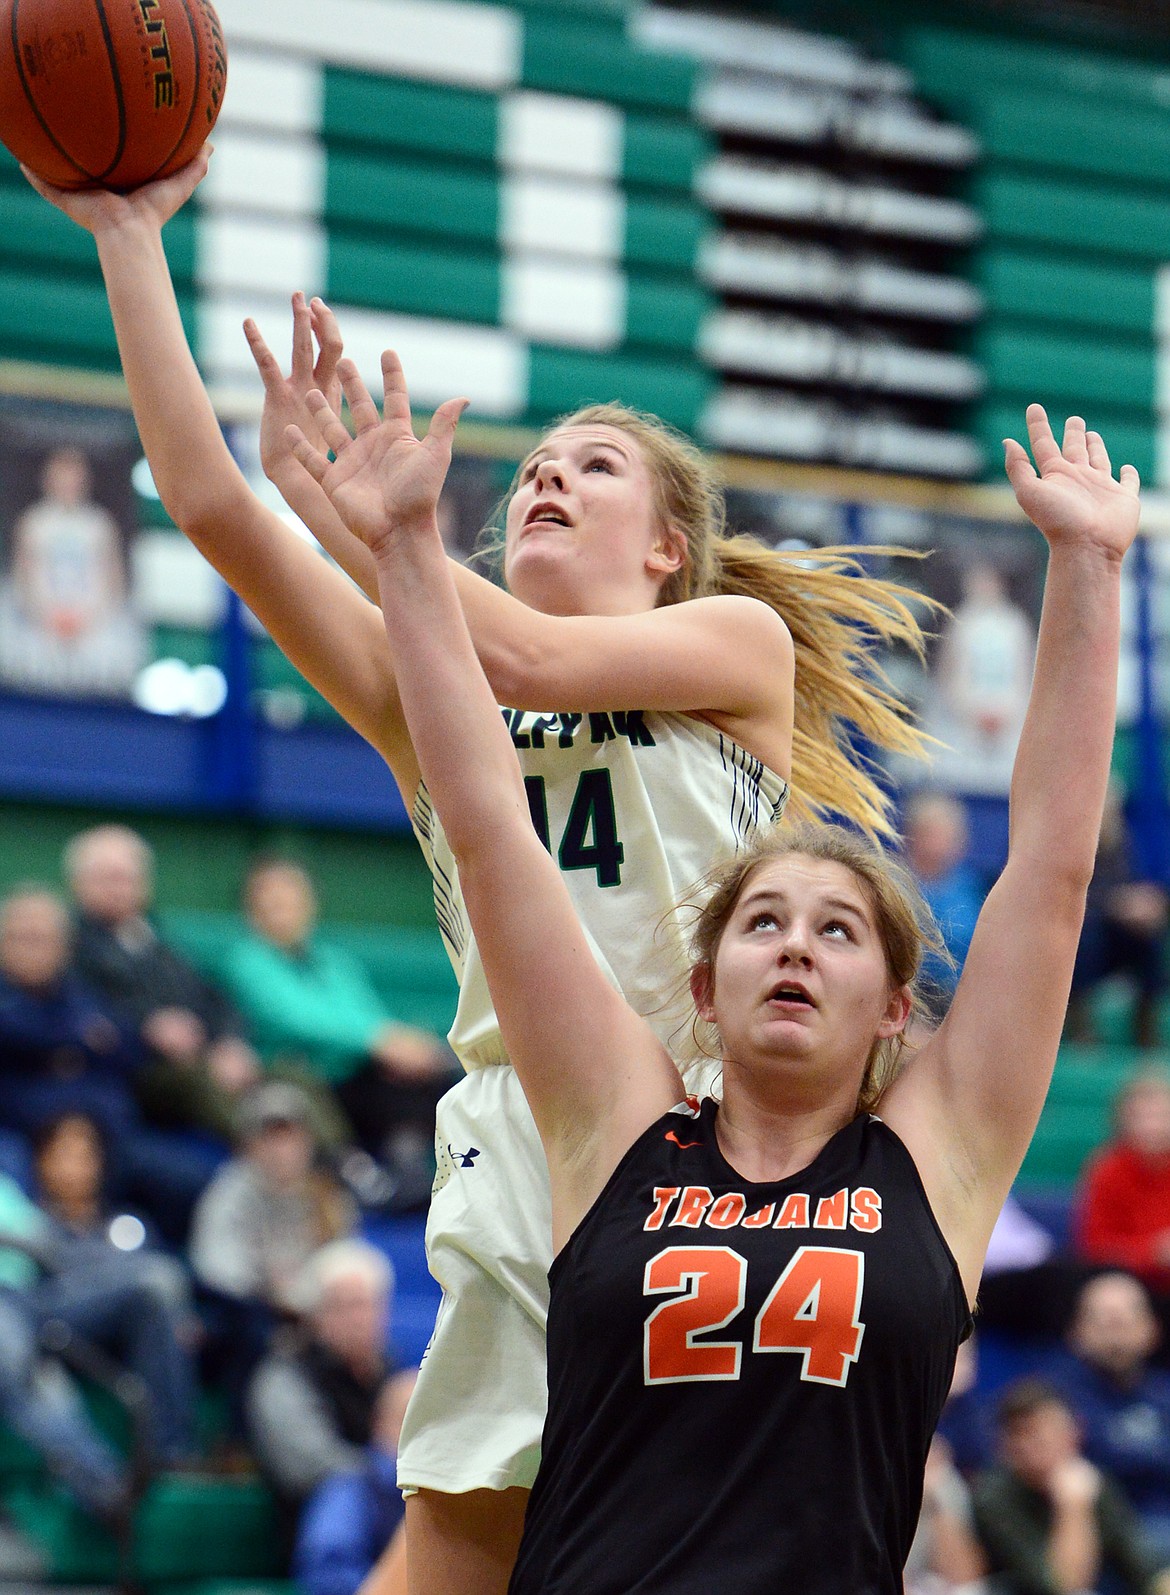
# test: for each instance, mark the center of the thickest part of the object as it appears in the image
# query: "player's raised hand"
(383, 479)
(98, 208)
(1071, 493)
(316, 352)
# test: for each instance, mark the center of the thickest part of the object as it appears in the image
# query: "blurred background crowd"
(840, 244)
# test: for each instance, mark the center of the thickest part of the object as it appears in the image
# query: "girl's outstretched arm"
(968, 1105)
(594, 1073)
(328, 631)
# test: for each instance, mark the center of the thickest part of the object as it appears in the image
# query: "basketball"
(108, 93)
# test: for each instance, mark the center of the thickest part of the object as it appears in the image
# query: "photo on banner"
(68, 624)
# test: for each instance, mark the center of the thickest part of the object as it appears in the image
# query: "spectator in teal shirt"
(310, 1004)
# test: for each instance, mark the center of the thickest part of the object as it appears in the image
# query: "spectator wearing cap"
(259, 1221)
(313, 1400)
(197, 1062)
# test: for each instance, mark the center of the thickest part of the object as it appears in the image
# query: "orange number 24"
(813, 1310)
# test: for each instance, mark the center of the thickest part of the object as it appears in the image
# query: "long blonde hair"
(836, 613)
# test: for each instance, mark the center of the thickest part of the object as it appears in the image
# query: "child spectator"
(307, 1000)
(1121, 1403)
(196, 1061)
(1051, 1523)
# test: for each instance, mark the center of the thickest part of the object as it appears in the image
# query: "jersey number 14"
(590, 838)
(813, 1310)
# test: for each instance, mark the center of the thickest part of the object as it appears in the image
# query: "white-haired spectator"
(312, 1400)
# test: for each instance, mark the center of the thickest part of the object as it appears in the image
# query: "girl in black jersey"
(756, 1303)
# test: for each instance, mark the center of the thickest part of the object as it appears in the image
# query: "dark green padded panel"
(1080, 369)
(664, 152)
(957, 66)
(414, 278)
(663, 232)
(1081, 217)
(595, 59)
(412, 196)
(1078, 1114)
(663, 314)
(564, 378)
(1077, 135)
(430, 118)
(1082, 291)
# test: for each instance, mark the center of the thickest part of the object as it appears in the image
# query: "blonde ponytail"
(837, 616)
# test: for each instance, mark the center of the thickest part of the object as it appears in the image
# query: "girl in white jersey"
(655, 734)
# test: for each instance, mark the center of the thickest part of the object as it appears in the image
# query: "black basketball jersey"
(743, 1378)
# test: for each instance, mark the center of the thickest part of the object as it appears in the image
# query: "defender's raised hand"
(316, 351)
(383, 478)
(1071, 493)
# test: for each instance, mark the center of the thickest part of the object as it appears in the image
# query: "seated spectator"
(1123, 1214)
(1050, 1522)
(351, 1518)
(312, 1400)
(47, 1283)
(70, 1179)
(196, 1060)
(935, 843)
(257, 1225)
(1121, 1403)
(307, 1000)
(1124, 932)
(61, 1052)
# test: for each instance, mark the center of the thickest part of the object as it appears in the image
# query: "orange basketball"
(108, 93)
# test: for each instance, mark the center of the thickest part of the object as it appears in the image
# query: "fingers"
(302, 342)
(395, 398)
(332, 429)
(444, 421)
(1044, 446)
(357, 396)
(312, 459)
(1130, 480)
(1098, 453)
(1016, 463)
(266, 362)
(1075, 447)
(329, 342)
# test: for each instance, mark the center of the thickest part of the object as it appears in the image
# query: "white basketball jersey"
(635, 807)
